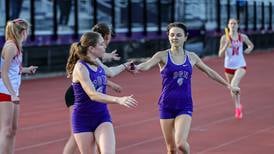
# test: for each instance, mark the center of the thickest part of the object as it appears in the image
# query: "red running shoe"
(239, 112)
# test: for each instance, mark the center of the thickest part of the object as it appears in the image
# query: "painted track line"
(236, 140)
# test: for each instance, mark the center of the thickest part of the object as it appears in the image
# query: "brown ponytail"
(78, 51)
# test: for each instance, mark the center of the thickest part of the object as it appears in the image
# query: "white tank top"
(234, 57)
(14, 72)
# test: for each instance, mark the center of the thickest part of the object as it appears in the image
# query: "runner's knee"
(171, 149)
(8, 132)
(182, 146)
(107, 151)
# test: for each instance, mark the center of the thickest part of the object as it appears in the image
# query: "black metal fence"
(252, 15)
(139, 24)
(129, 17)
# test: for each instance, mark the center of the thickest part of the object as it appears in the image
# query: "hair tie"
(79, 44)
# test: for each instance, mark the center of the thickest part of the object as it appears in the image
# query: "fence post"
(270, 16)
(262, 21)
(238, 9)
(76, 22)
(218, 15)
(32, 19)
(95, 20)
(129, 23)
(228, 9)
(254, 16)
(7, 3)
(173, 10)
(113, 16)
(55, 21)
(144, 17)
(159, 21)
(246, 15)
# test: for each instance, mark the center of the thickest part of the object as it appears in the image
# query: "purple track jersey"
(176, 86)
(88, 114)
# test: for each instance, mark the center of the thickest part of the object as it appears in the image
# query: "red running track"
(44, 119)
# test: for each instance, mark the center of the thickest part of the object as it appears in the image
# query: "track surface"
(44, 120)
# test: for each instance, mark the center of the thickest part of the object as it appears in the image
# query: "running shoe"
(239, 112)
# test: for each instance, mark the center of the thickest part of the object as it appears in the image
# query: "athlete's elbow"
(220, 54)
(144, 68)
(111, 74)
(251, 47)
(94, 96)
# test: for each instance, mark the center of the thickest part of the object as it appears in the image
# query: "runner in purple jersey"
(175, 102)
(105, 31)
(91, 121)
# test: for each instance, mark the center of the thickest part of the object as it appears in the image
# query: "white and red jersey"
(234, 56)
(14, 72)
